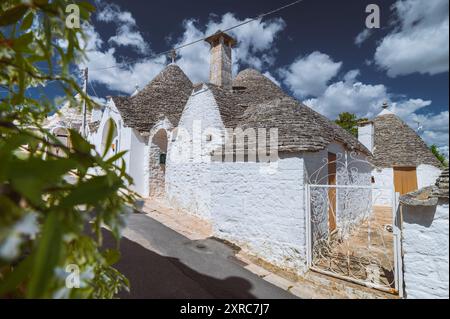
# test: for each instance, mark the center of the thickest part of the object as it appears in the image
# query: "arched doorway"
(114, 148)
(158, 155)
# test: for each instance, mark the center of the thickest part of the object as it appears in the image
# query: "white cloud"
(106, 69)
(351, 96)
(254, 49)
(126, 37)
(363, 36)
(272, 78)
(309, 75)
(365, 100)
(351, 76)
(421, 41)
(127, 33)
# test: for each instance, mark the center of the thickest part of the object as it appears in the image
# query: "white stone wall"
(262, 210)
(427, 175)
(96, 115)
(384, 179)
(128, 140)
(384, 182)
(426, 251)
(137, 163)
(188, 177)
(366, 135)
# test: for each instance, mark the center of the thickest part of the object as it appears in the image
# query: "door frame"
(332, 192)
(397, 175)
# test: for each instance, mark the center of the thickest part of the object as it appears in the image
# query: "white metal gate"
(351, 236)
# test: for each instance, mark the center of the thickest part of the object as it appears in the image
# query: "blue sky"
(310, 49)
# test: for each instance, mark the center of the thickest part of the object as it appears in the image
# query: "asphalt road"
(179, 268)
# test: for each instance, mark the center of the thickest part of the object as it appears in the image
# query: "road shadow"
(153, 276)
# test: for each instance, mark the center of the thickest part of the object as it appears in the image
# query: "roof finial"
(136, 91)
(385, 105)
(173, 55)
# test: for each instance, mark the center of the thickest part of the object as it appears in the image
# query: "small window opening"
(162, 159)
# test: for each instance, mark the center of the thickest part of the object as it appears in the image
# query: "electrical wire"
(250, 20)
(259, 17)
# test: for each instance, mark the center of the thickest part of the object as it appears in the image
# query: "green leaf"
(21, 43)
(47, 258)
(116, 157)
(27, 21)
(79, 143)
(109, 137)
(86, 5)
(31, 177)
(16, 277)
(13, 15)
(112, 256)
(91, 192)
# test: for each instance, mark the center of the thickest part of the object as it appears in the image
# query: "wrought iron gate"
(352, 238)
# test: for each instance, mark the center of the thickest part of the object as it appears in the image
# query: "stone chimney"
(366, 134)
(221, 59)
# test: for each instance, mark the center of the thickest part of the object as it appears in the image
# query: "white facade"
(383, 185)
(426, 251)
(262, 210)
(127, 139)
(188, 177)
(427, 175)
(384, 176)
(384, 182)
(366, 135)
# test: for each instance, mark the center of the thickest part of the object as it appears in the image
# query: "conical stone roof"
(251, 87)
(266, 105)
(166, 94)
(397, 144)
(299, 127)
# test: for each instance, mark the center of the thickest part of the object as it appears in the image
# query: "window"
(162, 159)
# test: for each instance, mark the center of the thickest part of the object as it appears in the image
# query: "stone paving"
(311, 286)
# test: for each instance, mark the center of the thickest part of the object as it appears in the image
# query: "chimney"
(366, 134)
(221, 59)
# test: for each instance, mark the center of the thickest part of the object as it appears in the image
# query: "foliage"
(349, 122)
(441, 157)
(52, 207)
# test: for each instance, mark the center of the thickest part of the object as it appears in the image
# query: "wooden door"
(332, 167)
(405, 180)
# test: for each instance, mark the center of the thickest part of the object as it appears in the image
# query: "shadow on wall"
(153, 276)
(422, 215)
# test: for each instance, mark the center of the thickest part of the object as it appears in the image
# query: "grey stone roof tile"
(396, 144)
(166, 94)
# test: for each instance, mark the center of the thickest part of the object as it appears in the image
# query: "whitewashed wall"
(262, 210)
(129, 140)
(426, 251)
(384, 181)
(366, 135)
(427, 175)
(137, 162)
(188, 177)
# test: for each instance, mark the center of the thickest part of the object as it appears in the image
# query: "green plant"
(441, 157)
(52, 207)
(349, 122)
